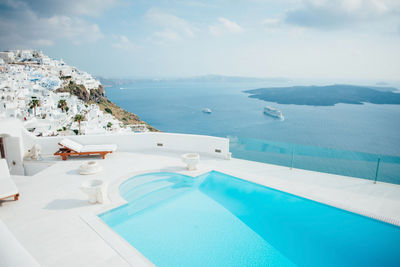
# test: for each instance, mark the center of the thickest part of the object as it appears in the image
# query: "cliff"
(97, 96)
(121, 114)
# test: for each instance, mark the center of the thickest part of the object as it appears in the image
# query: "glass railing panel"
(261, 151)
(328, 160)
(389, 169)
(335, 162)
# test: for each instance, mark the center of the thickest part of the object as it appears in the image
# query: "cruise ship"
(273, 112)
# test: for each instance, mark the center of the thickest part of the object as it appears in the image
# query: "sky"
(320, 39)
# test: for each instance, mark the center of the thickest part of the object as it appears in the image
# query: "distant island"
(327, 95)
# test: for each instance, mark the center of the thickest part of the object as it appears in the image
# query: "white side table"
(90, 167)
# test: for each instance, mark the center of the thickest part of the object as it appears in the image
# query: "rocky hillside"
(94, 95)
(121, 114)
(97, 96)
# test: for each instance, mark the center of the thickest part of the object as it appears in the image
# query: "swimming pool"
(220, 220)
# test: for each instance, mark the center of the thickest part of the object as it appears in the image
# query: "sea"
(367, 131)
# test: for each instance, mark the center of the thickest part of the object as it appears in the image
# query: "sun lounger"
(7, 185)
(72, 148)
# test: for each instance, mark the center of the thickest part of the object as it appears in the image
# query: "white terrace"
(54, 223)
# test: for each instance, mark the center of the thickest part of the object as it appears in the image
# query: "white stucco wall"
(11, 127)
(10, 131)
(212, 146)
(17, 142)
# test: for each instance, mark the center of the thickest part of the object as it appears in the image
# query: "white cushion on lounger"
(7, 188)
(7, 185)
(71, 144)
(98, 148)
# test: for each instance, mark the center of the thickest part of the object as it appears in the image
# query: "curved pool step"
(154, 198)
(137, 181)
(132, 183)
(145, 201)
(145, 188)
(148, 190)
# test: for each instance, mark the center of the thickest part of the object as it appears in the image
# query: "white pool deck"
(48, 218)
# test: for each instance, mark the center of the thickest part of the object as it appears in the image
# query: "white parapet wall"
(10, 132)
(136, 142)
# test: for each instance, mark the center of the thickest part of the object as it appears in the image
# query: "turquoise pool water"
(219, 220)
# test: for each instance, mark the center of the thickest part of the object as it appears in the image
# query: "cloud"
(123, 43)
(194, 3)
(272, 23)
(278, 25)
(69, 7)
(169, 35)
(21, 27)
(225, 26)
(329, 14)
(73, 29)
(173, 27)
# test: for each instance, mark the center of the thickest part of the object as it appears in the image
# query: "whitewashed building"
(27, 93)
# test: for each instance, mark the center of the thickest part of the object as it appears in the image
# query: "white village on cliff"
(33, 89)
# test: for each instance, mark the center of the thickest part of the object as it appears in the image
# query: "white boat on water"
(207, 110)
(273, 112)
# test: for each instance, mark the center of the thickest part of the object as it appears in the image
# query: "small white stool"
(191, 160)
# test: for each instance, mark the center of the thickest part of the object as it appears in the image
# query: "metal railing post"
(377, 170)
(291, 162)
